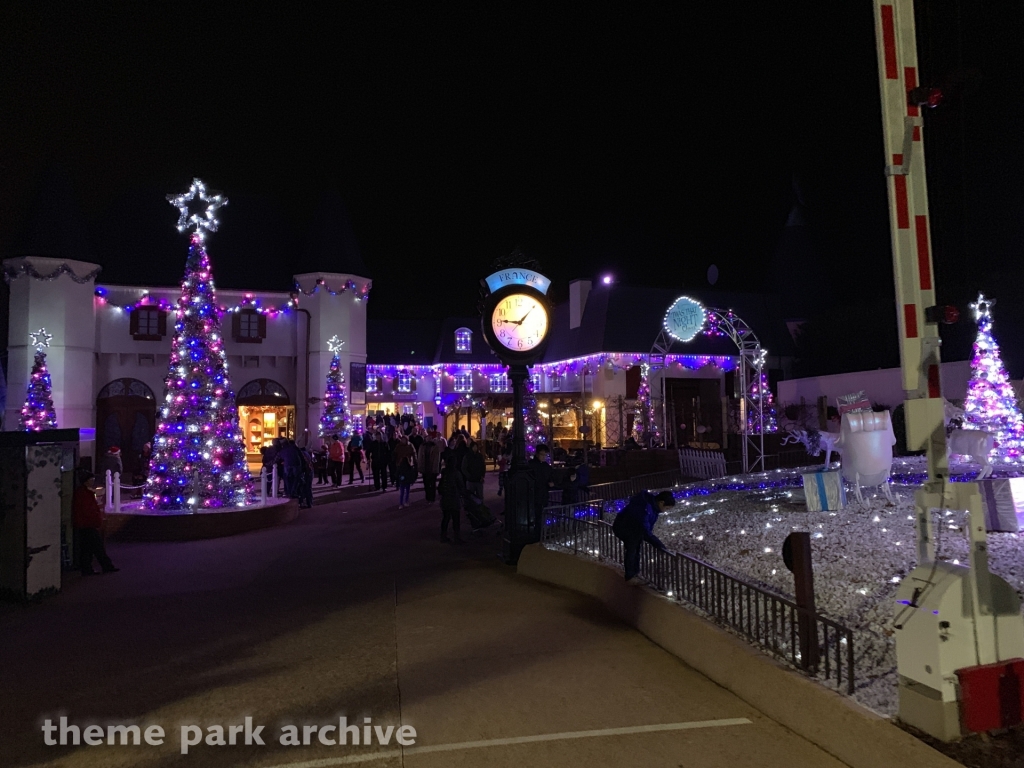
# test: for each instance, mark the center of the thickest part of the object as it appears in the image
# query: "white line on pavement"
(460, 745)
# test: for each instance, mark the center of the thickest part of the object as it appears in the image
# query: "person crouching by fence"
(635, 524)
(88, 519)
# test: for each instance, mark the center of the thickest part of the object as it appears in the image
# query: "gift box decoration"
(1003, 500)
(824, 491)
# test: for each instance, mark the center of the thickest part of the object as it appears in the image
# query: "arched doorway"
(125, 417)
(265, 412)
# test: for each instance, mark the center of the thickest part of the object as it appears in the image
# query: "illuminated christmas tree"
(37, 414)
(333, 421)
(532, 420)
(763, 404)
(198, 454)
(991, 403)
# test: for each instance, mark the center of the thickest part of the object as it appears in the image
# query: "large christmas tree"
(991, 403)
(334, 420)
(198, 454)
(37, 414)
(763, 406)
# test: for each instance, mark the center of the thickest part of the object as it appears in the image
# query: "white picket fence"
(703, 465)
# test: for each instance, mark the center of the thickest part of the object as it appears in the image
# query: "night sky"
(650, 144)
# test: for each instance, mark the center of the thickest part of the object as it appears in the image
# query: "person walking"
(543, 477)
(354, 457)
(379, 455)
(335, 460)
(429, 459)
(320, 465)
(88, 519)
(635, 525)
(473, 469)
(305, 484)
(453, 488)
(405, 469)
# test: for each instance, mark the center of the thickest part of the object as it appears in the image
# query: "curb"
(840, 726)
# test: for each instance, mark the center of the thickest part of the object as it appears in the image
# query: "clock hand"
(520, 321)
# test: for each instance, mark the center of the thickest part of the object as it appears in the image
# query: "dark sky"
(597, 137)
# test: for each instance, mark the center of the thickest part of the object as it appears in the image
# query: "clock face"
(520, 322)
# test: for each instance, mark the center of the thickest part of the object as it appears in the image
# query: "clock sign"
(519, 322)
(684, 319)
(516, 321)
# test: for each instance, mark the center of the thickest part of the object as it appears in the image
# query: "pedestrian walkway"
(357, 610)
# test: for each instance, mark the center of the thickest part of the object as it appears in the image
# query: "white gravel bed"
(860, 555)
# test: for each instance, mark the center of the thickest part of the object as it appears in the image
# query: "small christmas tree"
(532, 420)
(991, 403)
(333, 421)
(198, 454)
(37, 414)
(764, 406)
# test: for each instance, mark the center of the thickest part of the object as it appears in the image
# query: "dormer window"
(464, 340)
(148, 324)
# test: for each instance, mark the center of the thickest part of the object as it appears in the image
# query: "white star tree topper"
(201, 223)
(982, 307)
(334, 344)
(40, 339)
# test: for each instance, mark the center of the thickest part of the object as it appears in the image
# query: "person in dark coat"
(473, 470)
(354, 458)
(429, 459)
(570, 486)
(379, 454)
(543, 477)
(290, 457)
(635, 525)
(111, 462)
(88, 520)
(453, 488)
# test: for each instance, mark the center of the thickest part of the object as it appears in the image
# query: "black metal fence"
(821, 647)
(623, 489)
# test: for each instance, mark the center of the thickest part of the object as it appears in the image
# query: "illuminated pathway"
(357, 610)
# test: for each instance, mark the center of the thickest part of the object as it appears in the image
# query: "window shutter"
(262, 325)
(236, 325)
(133, 322)
(161, 324)
(412, 385)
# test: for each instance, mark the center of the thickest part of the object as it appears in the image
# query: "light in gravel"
(895, 579)
(768, 550)
(876, 519)
(862, 591)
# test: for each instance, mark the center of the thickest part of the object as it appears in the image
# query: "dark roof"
(401, 342)
(481, 353)
(331, 242)
(55, 227)
(616, 319)
(628, 319)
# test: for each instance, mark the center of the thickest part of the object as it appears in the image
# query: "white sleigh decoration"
(865, 442)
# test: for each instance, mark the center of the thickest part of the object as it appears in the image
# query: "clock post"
(515, 323)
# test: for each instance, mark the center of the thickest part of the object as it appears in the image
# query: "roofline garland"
(27, 268)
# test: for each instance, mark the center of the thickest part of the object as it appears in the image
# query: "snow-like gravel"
(860, 555)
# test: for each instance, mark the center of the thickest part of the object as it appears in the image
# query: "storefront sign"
(506, 277)
(684, 319)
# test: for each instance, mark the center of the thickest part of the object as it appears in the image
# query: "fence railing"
(702, 465)
(818, 645)
(623, 489)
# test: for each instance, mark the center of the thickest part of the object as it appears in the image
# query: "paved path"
(356, 609)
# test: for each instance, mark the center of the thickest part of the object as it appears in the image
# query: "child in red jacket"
(88, 519)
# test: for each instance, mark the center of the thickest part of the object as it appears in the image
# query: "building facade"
(110, 350)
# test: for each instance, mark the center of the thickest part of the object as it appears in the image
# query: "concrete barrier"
(849, 732)
(126, 526)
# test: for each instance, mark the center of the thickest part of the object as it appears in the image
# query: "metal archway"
(722, 322)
